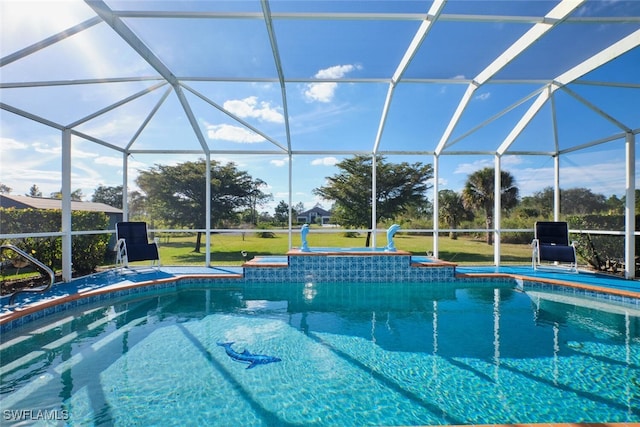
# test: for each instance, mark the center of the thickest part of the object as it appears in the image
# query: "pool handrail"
(52, 276)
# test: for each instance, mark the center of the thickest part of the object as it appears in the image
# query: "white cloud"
(511, 161)
(468, 168)
(321, 92)
(109, 161)
(56, 150)
(123, 127)
(81, 154)
(324, 161)
(507, 163)
(483, 96)
(7, 144)
(250, 107)
(41, 148)
(233, 134)
(279, 162)
(324, 92)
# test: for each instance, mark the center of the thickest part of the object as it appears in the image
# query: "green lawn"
(226, 249)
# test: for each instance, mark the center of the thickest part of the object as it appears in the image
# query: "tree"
(75, 196)
(398, 187)
(281, 215)
(581, 201)
(478, 194)
(34, 191)
(615, 206)
(137, 203)
(5, 189)
(623, 199)
(452, 210)
(257, 198)
(538, 205)
(177, 194)
(111, 196)
(573, 201)
(297, 209)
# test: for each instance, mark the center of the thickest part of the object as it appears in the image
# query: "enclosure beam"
(49, 41)
(436, 205)
(497, 211)
(559, 13)
(290, 157)
(66, 206)
(125, 186)
(207, 210)
(556, 188)
(266, 11)
(630, 208)
(374, 205)
(416, 42)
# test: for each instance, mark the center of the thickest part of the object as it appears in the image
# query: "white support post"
(497, 208)
(436, 205)
(291, 201)
(556, 187)
(374, 191)
(207, 204)
(125, 186)
(67, 260)
(630, 208)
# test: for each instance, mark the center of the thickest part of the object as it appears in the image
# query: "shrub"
(88, 251)
(265, 234)
(597, 249)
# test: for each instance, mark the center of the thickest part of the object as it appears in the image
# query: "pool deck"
(131, 279)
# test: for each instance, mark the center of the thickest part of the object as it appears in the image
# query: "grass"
(226, 249)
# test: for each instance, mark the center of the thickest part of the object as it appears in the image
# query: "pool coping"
(49, 302)
(347, 252)
(554, 282)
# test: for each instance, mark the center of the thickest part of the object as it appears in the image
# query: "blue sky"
(337, 79)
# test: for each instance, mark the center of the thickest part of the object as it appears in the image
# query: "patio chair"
(133, 244)
(551, 243)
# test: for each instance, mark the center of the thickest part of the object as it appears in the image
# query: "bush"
(265, 234)
(351, 234)
(88, 251)
(520, 237)
(601, 251)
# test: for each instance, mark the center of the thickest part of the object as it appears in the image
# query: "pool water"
(351, 355)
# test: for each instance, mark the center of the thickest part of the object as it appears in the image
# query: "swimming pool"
(351, 354)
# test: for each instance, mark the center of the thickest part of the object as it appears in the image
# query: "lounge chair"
(551, 243)
(133, 244)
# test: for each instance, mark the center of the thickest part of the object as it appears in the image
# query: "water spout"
(391, 247)
(303, 233)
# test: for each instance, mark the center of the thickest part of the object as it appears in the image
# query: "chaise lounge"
(133, 244)
(551, 244)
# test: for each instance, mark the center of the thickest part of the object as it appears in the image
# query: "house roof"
(318, 209)
(24, 202)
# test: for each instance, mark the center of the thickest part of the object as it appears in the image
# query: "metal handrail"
(25, 255)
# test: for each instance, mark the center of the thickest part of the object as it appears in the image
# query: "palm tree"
(451, 210)
(478, 194)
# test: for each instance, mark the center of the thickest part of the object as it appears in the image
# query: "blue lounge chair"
(551, 244)
(133, 244)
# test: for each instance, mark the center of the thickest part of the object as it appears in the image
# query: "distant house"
(314, 215)
(27, 202)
